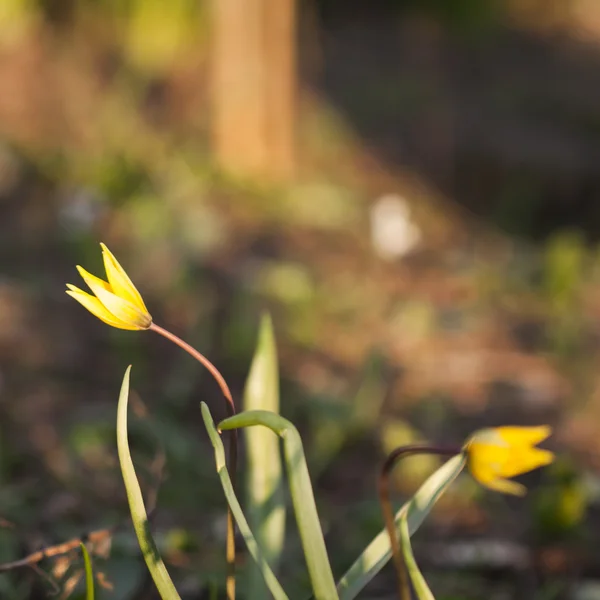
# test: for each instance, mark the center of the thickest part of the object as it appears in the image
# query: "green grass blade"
(265, 499)
(303, 499)
(378, 552)
(420, 586)
(254, 549)
(89, 575)
(139, 517)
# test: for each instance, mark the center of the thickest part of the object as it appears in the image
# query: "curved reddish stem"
(383, 488)
(201, 359)
(233, 445)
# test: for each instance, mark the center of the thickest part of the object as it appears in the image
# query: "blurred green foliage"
(212, 252)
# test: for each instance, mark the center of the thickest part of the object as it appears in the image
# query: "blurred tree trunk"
(254, 86)
(578, 17)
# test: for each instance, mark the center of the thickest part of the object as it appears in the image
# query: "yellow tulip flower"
(495, 455)
(116, 301)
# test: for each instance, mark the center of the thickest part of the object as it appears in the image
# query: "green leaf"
(139, 517)
(378, 552)
(89, 575)
(420, 586)
(301, 491)
(254, 549)
(265, 500)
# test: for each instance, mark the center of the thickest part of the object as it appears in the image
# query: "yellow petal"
(507, 487)
(481, 472)
(121, 285)
(489, 437)
(526, 460)
(96, 307)
(490, 453)
(87, 277)
(488, 456)
(484, 467)
(496, 454)
(524, 436)
(121, 309)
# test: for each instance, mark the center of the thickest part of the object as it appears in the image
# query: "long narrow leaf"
(265, 500)
(254, 549)
(378, 552)
(303, 499)
(139, 517)
(420, 586)
(89, 575)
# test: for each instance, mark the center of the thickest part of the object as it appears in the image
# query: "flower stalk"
(233, 445)
(383, 488)
(493, 456)
(118, 303)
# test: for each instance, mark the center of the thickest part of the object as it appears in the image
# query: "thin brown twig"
(93, 537)
(233, 446)
(383, 487)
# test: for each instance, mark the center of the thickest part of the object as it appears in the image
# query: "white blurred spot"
(393, 234)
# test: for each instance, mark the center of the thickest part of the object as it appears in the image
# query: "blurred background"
(410, 187)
